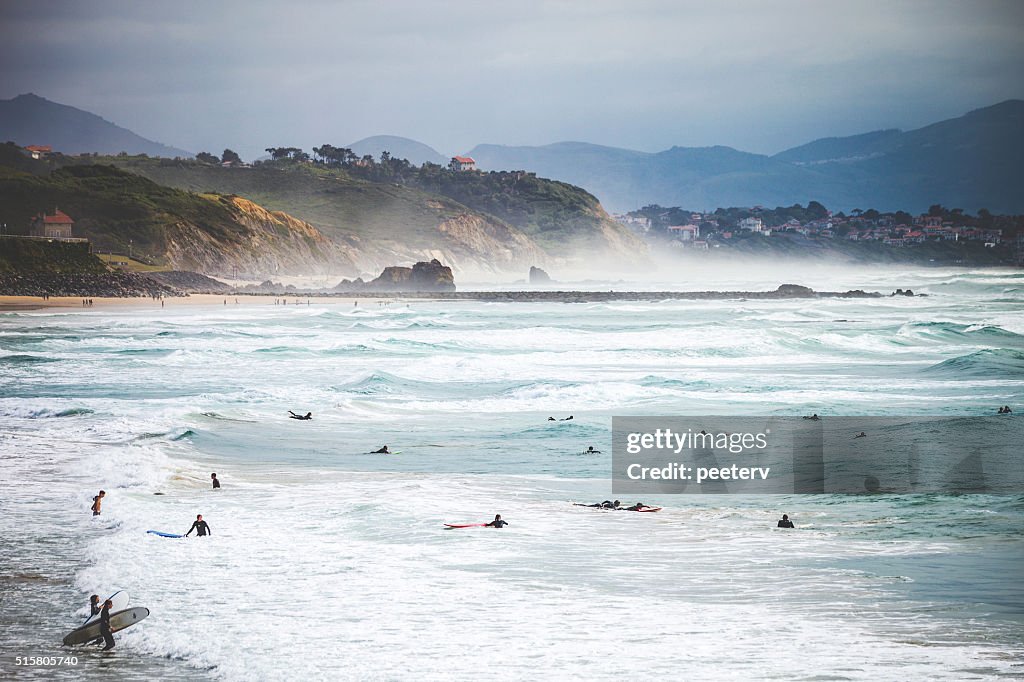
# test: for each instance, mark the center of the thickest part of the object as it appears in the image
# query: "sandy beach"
(29, 303)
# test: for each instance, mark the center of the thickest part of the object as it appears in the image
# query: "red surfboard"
(649, 509)
(465, 525)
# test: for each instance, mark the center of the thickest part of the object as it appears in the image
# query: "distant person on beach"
(784, 522)
(105, 631)
(97, 503)
(496, 523)
(861, 435)
(383, 451)
(200, 527)
(592, 451)
(306, 417)
(638, 506)
(216, 483)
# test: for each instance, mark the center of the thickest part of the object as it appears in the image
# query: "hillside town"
(697, 231)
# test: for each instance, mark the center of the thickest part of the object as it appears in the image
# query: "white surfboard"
(120, 599)
(118, 621)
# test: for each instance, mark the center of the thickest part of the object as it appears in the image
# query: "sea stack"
(538, 276)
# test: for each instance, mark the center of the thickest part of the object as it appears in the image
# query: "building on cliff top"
(38, 151)
(462, 163)
(55, 226)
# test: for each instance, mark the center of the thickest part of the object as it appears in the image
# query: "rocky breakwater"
(91, 285)
(786, 291)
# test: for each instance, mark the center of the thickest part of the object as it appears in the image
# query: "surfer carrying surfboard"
(105, 631)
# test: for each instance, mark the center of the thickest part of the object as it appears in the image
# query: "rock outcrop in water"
(538, 276)
(421, 277)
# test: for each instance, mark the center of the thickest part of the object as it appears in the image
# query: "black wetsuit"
(200, 528)
(105, 631)
(216, 483)
(498, 523)
(786, 523)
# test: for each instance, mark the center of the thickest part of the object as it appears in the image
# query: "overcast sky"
(757, 75)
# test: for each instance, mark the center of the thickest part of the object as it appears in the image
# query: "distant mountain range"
(970, 162)
(400, 147)
(33, 120)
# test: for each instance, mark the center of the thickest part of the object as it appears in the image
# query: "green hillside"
(501, 220)
(126, 213)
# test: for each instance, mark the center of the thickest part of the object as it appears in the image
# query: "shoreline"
(784, 292)
(71, 303)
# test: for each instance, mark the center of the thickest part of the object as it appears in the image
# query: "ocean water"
(329, 563)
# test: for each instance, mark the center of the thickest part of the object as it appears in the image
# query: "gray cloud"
(759, 76)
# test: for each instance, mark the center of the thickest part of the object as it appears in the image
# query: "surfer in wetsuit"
(496, 523)
(200, 527)
(105, 631)
(567, 418)
(591, 451)
(638, 506)
(97, 503)
(814, 417)
(94, 608)
(306, 417)
(383, 451)
(784, 522)
(861, 435)
(216, 483)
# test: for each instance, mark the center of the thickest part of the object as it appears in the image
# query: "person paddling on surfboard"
(200, 527)
(607, 504)
(638, 506)
(591, 451)
(105, 631)
(496, 523)
(383, 451)
(305, 417)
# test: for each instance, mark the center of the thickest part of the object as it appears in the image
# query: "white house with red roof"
(39, 151)
(55, 226)
(462, 163)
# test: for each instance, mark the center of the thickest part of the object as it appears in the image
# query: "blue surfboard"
(164, 535)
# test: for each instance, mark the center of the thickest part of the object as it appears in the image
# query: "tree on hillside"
(230, 156)
(206, 157)
(817, 210)
(294, 153)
